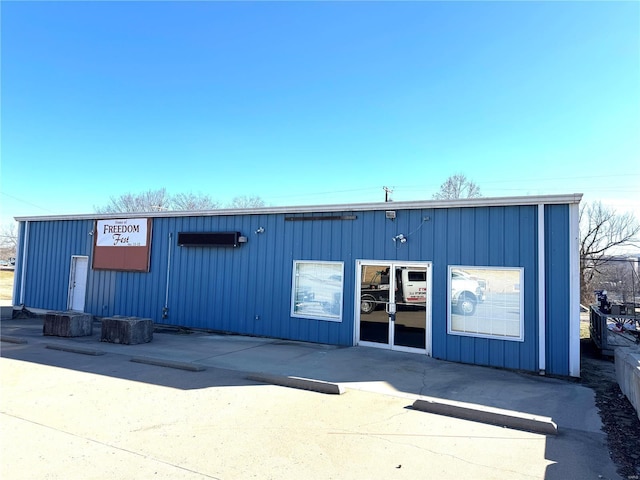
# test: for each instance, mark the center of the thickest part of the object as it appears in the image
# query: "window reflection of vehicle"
(410, 289)
(466, 292)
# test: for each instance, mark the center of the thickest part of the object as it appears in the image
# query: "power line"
(428, 186)
(313, 194)
(28, 203)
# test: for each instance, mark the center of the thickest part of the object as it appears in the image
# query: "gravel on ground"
(619, 419)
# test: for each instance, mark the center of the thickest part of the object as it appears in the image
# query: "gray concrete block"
(627, 360)
(126, 330)
(67, 324)
(485, 414)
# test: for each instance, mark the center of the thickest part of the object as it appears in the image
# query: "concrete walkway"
(369, 375)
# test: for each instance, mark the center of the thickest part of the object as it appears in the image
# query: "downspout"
(165, 310)
(574, 290)
(542, 294)
(23, 266)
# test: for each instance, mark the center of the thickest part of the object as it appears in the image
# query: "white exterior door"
(77, 283)
(395, 305)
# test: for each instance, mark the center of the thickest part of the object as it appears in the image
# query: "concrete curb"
(191, 367)
(627, 360)
(5, 338)
(82, 350)
(490, 415)
(297, 382)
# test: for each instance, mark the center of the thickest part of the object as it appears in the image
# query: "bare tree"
(619, 277)
(457, 186)
(246, 202)
(149, 201)
(157, 200)
(8, 241)
(191, 201)
(160, 200)
(602, 232)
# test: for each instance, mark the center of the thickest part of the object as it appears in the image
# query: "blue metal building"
(489, 281)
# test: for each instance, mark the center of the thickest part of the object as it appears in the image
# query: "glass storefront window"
(317, 290)
(486, 302)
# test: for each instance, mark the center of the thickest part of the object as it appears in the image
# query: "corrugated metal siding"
(51, 245)
(557, 288)
(491, 236)
(226, 288)
(17, 274)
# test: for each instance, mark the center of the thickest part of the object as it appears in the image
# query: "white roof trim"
(573, 198)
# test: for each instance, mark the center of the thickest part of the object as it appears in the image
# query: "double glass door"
(395, 303)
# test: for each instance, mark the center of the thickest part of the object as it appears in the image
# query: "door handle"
(391, 311)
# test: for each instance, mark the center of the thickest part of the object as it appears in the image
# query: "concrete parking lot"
(67, 415)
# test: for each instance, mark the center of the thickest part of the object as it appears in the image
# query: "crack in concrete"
(109, 445)
(455, 457)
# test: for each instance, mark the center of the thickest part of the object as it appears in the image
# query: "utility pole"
(387, 194)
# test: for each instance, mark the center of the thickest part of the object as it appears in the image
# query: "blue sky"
(311, 103)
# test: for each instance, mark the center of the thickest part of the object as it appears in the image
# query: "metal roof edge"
(348, 207)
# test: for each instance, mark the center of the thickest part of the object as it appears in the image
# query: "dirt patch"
(619, 419)
(6, 284)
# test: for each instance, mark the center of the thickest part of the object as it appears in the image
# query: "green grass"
(6, 284)
(584, 330)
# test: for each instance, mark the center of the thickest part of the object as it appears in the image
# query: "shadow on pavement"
(579, 447)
